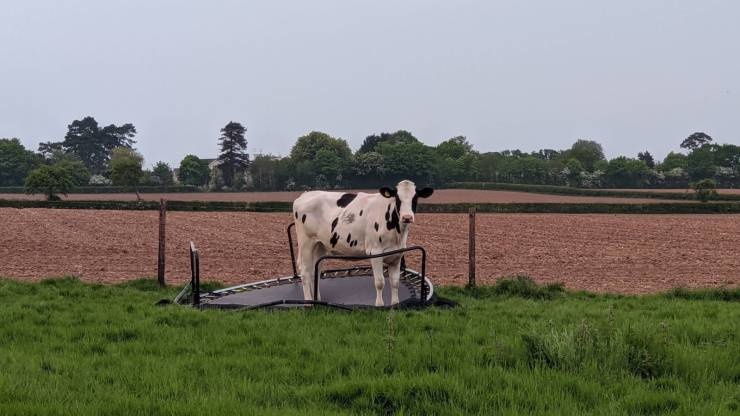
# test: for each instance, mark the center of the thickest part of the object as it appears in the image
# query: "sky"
(632, 75)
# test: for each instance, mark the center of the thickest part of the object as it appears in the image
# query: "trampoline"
(347, 288)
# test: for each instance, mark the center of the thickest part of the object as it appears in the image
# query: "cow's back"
(314, 211)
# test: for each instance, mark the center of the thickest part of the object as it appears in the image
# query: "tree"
(455, 160)
(623, 172)
(547, 154)
(50, 180)
(372, 142)
(701, 163)
(162, 175)
(674, 160)
(320, 159)
(370, 163)
(572, 171)
(93, 145)
(48, 150)
(696, 140)
(454, 148)
(411, 160)
(234, 158)
(647, 158)
(588, 152)
(15, 162)
(727, 155)
(55, 155)
(264, 172)
(77, 171)
(125, 168)
(193, 171)
(330, 165)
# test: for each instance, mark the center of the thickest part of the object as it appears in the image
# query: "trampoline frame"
(421, 297)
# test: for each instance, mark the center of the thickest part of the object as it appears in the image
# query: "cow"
(356, 225)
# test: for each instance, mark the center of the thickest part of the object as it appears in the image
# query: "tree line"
(318, 161)
(93, 155)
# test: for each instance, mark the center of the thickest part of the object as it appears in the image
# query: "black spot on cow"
(360, 212)
(345, 200)
(398, 203)
(303, 219)
(296, 215)
(334, 223)
(380, 239)
(376, 226)
(349, 238)
(393, 223)
(334, 239)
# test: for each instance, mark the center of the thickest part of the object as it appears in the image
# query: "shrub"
(705, 189)
(50, 180)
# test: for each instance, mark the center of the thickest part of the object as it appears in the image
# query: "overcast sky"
(633, 75)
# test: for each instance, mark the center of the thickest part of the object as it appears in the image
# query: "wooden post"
(471, 247)
(162, 222)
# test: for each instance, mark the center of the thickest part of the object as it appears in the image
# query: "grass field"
(514, 348)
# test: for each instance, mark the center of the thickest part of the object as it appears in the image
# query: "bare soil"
(602, 253)
(440, 196)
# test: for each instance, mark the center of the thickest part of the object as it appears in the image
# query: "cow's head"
(406, 195)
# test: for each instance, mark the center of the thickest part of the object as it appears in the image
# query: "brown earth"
(441, 196)
(603, 253)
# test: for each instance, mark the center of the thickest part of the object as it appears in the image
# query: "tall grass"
(514, 348)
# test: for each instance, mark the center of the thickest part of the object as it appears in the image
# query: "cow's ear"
(387, 192)
(425, 192)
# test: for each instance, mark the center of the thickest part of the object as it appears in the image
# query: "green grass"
(513, 348)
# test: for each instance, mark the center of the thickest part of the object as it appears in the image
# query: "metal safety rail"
(422, 291)
(195, 273)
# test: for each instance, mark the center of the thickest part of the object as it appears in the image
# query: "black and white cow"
(356, 224)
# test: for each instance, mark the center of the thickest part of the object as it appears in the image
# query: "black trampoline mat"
(355, 290)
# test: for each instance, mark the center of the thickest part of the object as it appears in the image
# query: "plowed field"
(604, 253)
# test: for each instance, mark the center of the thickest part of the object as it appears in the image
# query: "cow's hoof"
(379, 304)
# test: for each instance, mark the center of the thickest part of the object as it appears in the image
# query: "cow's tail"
(298, 232)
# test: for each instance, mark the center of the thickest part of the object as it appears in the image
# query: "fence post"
(162, 222)
(471, 247)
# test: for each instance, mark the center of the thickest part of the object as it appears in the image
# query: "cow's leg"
(306, 270)
(318, 251)
(394, 275)
(379, 280)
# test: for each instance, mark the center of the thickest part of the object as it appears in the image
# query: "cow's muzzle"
(407, 219)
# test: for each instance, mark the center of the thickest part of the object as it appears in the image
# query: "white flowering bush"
(593, 179)
(99, 180)
(676, 173)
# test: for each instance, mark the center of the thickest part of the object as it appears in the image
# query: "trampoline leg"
(394, 275)
(379, 280)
